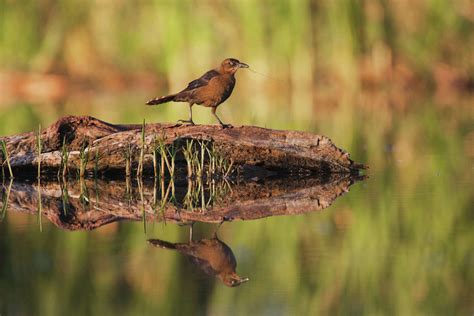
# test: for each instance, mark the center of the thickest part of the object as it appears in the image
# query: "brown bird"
(212, 256)
(210, 90)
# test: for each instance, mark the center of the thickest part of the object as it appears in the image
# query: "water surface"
(399, 242)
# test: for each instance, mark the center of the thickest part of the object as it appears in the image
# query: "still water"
(398, 242)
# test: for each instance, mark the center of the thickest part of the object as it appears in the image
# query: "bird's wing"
(202, 81)
(204, 265)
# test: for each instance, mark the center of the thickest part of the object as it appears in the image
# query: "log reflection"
(89, 204)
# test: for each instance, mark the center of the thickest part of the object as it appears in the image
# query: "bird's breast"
(218, 90)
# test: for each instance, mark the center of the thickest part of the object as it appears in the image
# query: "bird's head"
(231, 65)
(233, 280)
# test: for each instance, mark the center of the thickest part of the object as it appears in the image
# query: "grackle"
(210, 90)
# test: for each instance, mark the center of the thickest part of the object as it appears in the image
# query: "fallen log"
(106, 146)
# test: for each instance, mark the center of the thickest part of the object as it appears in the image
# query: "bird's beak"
(243, 65)
(243, 280)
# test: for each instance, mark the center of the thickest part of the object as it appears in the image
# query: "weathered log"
(244, 146)
(89, 204)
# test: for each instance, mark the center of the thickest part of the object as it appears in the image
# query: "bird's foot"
(226, 125)
(226, 219)
(223, 219)
(186, 122)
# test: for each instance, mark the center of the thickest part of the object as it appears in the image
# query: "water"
(399, 242)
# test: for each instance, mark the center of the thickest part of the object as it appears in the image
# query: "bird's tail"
(164, 99)
(161, 243)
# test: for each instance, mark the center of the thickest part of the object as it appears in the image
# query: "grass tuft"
(6, 159)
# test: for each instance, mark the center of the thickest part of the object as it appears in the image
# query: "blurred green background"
(390, 81)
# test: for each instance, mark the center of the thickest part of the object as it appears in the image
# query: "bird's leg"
(217, 117)
(217, 228)
(224, 219)
(190, 121)
(191, 231)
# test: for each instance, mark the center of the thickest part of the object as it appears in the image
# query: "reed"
(162, 188)
(6, 159)
(142, 200)
(196, 161)
(5, 200)
(165, 200)
(202, 189)
(164, 151)
(83, 159)
(162, 161)
(155, 158)
(97, 192)
(128, 190)
(142, 152)
(64, 159)
(128, 161)
(155, 194)
(204, 160)
(64, 197)
(192, 198)
(84, 193)
(39, 148)
(188, 156)
(96, 164)
(164, 195)
(212, 157)
(203, 150)
(172, 151)
(211, 160)
(229, 169)
(40, 204)
(188, 198)
(162, 164)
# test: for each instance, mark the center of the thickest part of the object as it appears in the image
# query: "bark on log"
(245, 146)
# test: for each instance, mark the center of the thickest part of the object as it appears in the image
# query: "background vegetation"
(390, 81)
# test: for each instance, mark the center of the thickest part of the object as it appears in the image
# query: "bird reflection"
(212, 256)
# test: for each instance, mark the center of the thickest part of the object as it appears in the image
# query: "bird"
(212, 256)
(210, 90)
